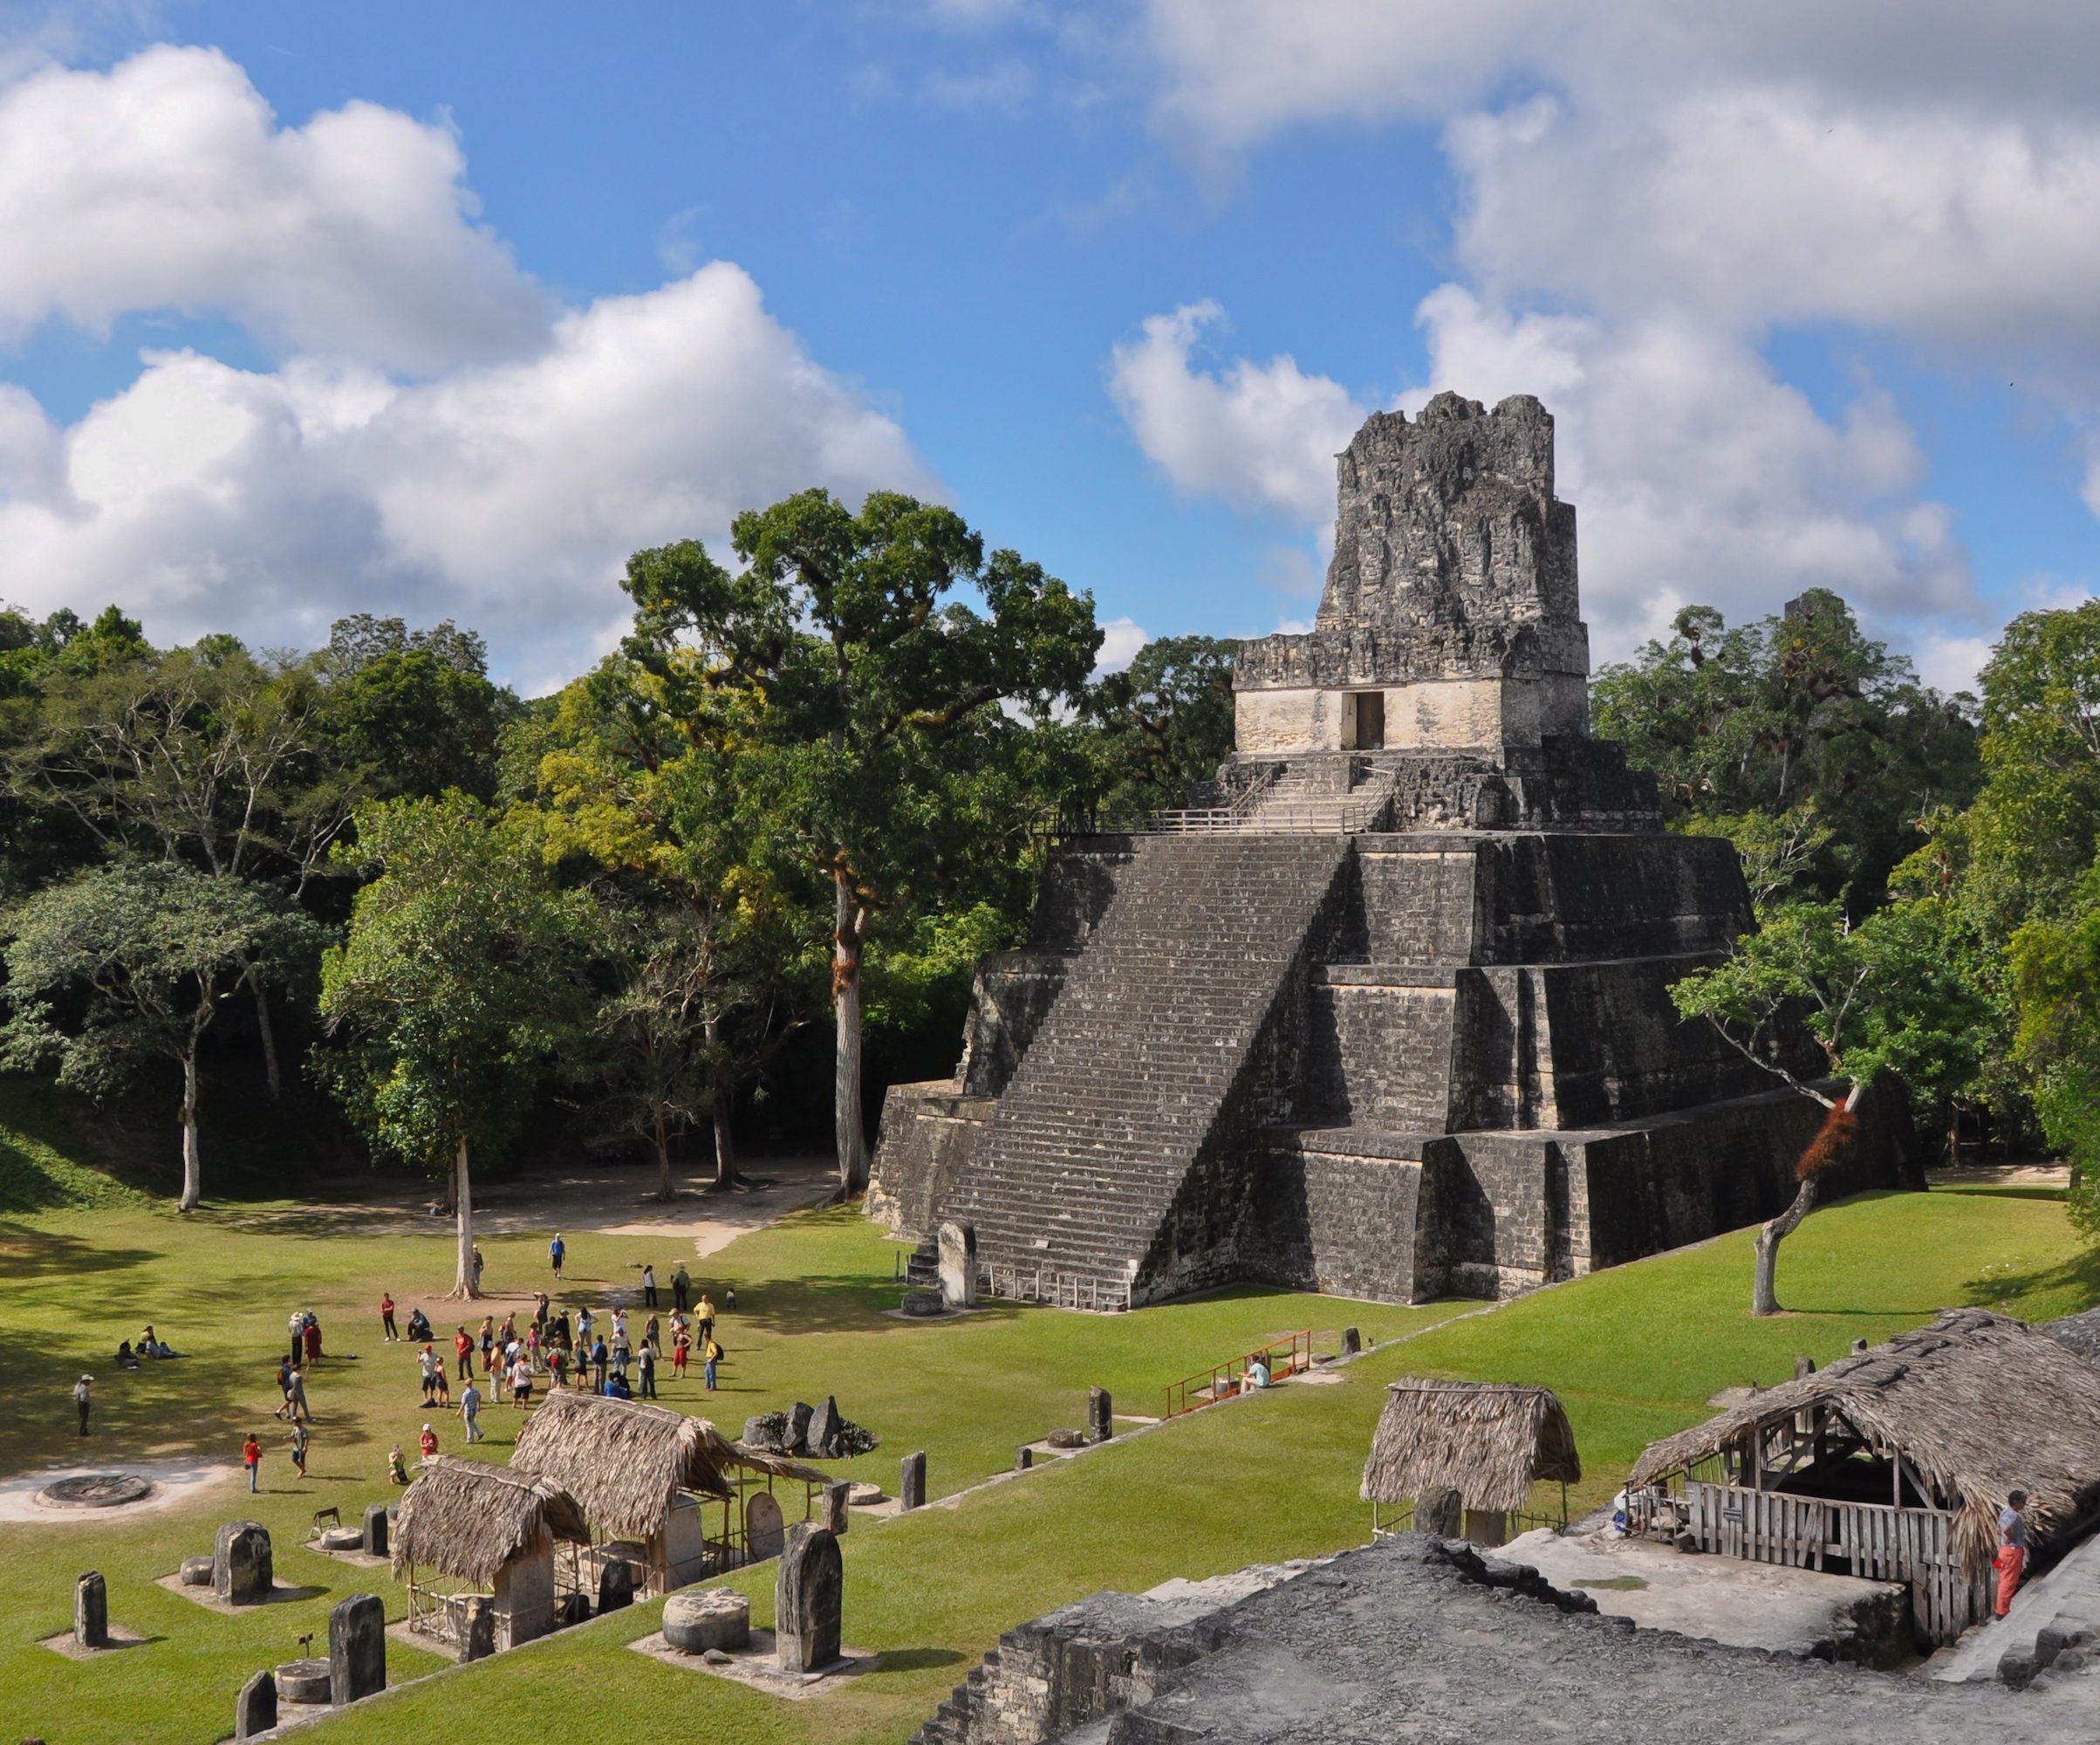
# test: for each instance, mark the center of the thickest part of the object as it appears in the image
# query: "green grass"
(1635, 1352)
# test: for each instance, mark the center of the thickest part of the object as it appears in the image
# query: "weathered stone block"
(837, 1507)
(357, 1648)
(1440, 1513)
(911, 1487)
(764, 1530)
(90, 1612)
(696, 1622)
(1352, 1342)
(822, 1436)
(958, 1248)
(476, 1628)
(615, 1586)
(923, 1304)
(1024, 1458)
(376, 1534)
(809, 1602)
(798, 1436)
(256, 1709)
(1100, 1415)
(241, 1569)
(196, 1572)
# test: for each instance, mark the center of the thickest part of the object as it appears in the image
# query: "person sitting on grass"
(617, 1388)
(419, 1327)
(397, 1469)
(427, 1441)
(126, 1358)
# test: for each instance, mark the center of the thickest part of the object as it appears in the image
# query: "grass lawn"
(1635, 1352)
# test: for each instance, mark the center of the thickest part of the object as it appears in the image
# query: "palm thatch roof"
(1979, 1404)
(467, 1519)
(2079, 1333)
(1487, 1441)
(626, 1460)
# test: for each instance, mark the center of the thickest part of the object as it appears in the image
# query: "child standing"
(251, 1457)
(299, 1447)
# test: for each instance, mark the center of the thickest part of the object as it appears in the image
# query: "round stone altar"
(696, 1622)
(303, 1681)
(96, 1491)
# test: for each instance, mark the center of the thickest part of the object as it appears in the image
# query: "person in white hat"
(80, 1389)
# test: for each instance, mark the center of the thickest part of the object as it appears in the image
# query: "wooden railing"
(1286, 1357)
(1874, 1541)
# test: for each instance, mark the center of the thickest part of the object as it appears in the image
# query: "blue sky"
(441, 310)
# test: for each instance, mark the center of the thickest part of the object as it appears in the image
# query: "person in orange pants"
(2011, 1561)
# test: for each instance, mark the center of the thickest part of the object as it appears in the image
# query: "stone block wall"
(929, 1133)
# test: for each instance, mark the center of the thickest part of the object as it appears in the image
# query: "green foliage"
(145, 954)
(1797, 710)
(1160, 726)
(1892, 993)
(459, 981)
(2057, 979)
(412, 714)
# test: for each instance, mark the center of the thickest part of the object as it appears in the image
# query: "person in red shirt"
(386, 1315)
(463, 1343)
(251, 1457)
(429, 1441)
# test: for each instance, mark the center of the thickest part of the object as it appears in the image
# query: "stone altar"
(1396, 1024)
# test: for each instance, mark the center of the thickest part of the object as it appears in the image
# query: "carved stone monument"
(256, 1709)
(957, 1246)
(477, 1628)
(837, 1510)
(1100, 1415)
(911, 1484)
(808, 1601)
(1440, 1512)
(1395, 1021)
(241, 1568)
(90, 1612)
(375, 1538)
(615, 1586)
(357, 1648)
(763, 1531)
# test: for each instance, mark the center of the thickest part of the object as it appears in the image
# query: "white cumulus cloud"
(167, 183)
(1260, 436)
(506, 495)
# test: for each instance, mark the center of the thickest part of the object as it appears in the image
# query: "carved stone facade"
(1400, 1027)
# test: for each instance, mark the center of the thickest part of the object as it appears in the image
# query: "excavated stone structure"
(1388, 1014)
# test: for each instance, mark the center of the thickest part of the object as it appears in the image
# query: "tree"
(1797, 710)
(1161, 725)
(2056, 965)
(151, 951)
(1881, 994)
(699, 934)
(880, 759)
(412, 713)
(456, 987)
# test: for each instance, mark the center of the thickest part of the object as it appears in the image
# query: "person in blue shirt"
(2011, 1562)
(556, 1250)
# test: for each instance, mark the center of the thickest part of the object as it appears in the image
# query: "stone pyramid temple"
(1386, 1012)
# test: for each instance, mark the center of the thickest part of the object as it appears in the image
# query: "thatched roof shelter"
(625, 1460)
(1487, 1441)
(2079, 1333)
(1979, 1404)
(467, 1519)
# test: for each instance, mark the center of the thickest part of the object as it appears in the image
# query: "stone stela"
(1387, 1013)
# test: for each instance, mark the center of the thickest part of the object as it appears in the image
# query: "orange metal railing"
(1286, 1357)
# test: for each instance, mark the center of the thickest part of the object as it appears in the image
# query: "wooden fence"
(1872, 1540)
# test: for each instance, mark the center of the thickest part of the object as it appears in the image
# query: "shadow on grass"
(2079, 1275)
(2007, 1193)
(834, 1303)
(916, 1659)
(27, 1253)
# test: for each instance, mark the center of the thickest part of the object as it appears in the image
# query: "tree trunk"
(845, 999)
(268, 1032)
(1763, 1293)
(665, 1190)
(462, 1286)
(193, 1166)
(725, 1142)
(1764, 1297)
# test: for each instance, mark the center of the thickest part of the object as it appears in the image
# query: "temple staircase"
(1133, 1071)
